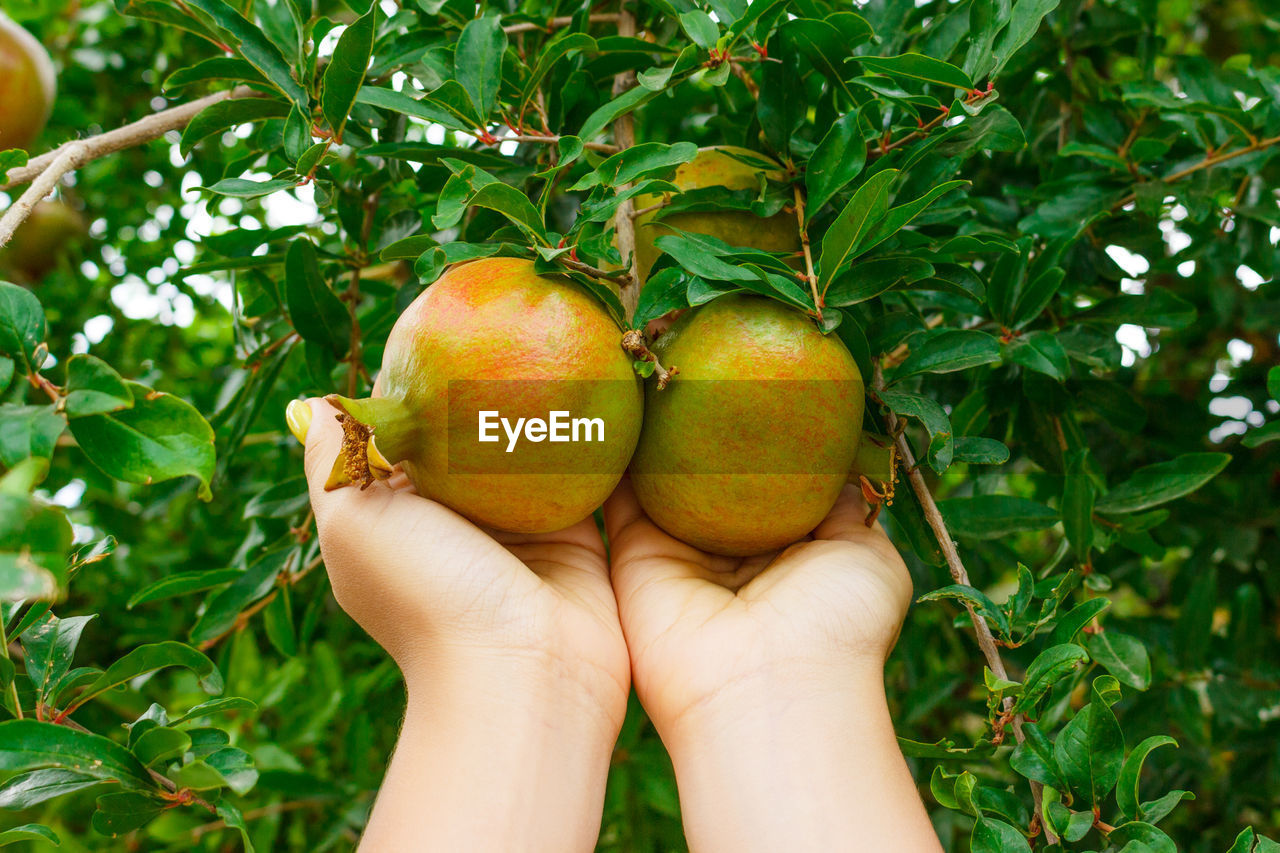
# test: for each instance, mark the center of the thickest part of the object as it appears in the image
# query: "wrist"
(774, 693)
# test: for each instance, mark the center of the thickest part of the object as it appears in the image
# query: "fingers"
(649, 569)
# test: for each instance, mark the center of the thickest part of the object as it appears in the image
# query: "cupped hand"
(702, 627)
(438, 592)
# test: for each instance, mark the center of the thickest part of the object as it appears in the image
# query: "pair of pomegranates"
(744, 452)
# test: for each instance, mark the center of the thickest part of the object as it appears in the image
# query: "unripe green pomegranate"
(41, 239)
(747, 449)
(492, 336)
(27, 86)
(715, 167)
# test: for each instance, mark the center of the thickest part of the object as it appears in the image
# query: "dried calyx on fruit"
(718, 166)
(27, 86)
(748, 449)
(490, 345)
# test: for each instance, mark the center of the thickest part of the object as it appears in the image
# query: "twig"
(552, 139)
(986, 642)
(68, 156)
(135, 133)
(1207, 163)
(559, 23)
(621, 276)
(808, 253)
(624, 134)
(634, 343)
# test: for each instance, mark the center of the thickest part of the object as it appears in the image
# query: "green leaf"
(227, 114)
(1033, 758)
(344, 75)
(243, 188)
(701, 29)
(948, 351)
(1141, 836)
(479, 62)
(125, 811)
(160, 744)
(34, 540)
(213, 68)
(663, 292)
(976, 599)
(917, 66)
(28, 789)
(1049, 667)
(149, 658)
(996, 836)
(976, 450)
(647, 158)
(605, 115)
(1023, 23)
(1041, 352)
(22, 324)
(1157, 308)
(836, 161)
(1163, 482)
(94, 388)
(314, 309)
(561, 45)
(995, 516)
(28, 431)
(428, 109)
(512, 204)
(1273, 383)
(868, 279)
(1090, 750)
(1077, 505)
(254, 46)
(934, 418)
(215, 706)
(842, 239)
(1131, 772)
(49, 646)
(31, 745)
(181, 583)
(160, 438)
(1123, 656)
(1195, 623)
(29, 832)
(902, 214)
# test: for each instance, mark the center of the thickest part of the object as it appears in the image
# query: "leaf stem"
(808, 253)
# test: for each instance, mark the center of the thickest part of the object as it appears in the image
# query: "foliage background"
(184, 291)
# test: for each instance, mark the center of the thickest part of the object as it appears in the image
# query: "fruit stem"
(363, 458)
(634, 343)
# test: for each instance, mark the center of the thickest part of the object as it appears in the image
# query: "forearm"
(812, 767)
(493, 762)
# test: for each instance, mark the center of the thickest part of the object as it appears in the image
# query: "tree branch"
(1206, 163)
(558, 23)
(69, 156)
(136, 133)
(624, 134)
(986, 641)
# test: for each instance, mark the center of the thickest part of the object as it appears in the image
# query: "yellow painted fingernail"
(298, 416)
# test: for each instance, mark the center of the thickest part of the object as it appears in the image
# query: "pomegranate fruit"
(747, 449)
(27, 86)
(38, 242)
(716, 167)
(471, 367)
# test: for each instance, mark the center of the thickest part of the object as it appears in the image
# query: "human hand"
(699, 624)
(511, 650)
(764, 677)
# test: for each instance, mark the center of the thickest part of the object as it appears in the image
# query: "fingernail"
(298, 416)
